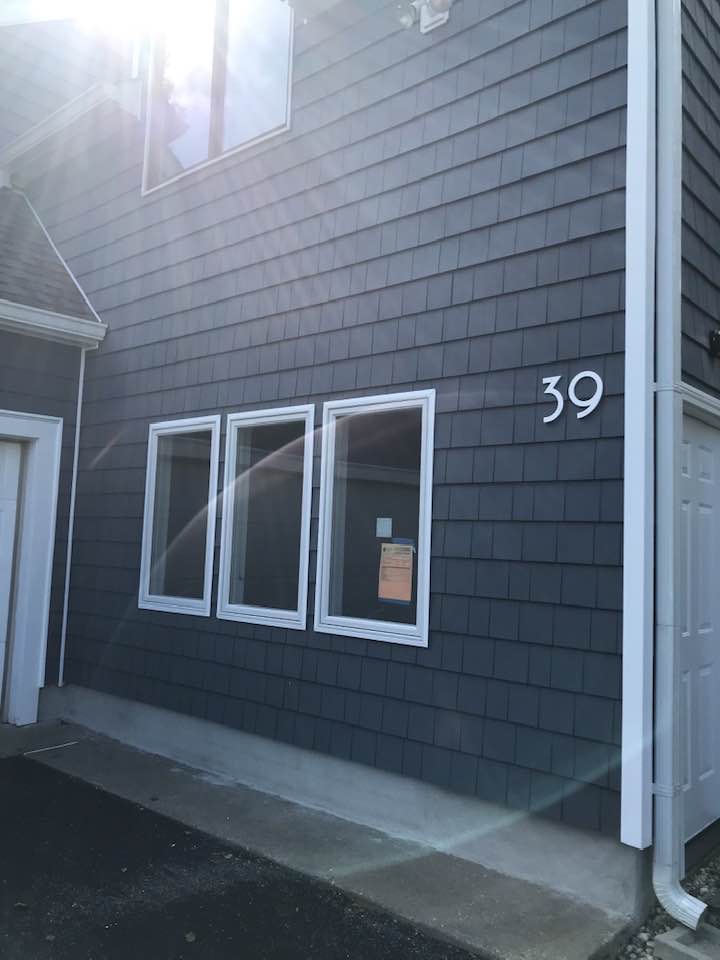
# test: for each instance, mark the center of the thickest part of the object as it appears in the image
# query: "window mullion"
(219, 78)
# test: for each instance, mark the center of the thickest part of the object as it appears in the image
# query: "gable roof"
(31, 271)
(39, 296)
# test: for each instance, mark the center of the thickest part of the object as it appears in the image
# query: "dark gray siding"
(447, 211)
(42, 378)
(701, 191)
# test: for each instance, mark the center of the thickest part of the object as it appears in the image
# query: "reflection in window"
(180, 517)
(375, 505)
(266, 517)
(377, 474)
(220, 80)
(179, 525)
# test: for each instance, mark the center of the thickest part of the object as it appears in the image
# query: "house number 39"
(586, 407)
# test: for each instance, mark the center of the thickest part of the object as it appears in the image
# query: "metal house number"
(585, 407)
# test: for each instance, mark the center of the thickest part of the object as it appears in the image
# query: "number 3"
(550, 389)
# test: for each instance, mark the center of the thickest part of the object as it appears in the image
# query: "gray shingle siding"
(701, 191)
(447, 211)
(37, 377)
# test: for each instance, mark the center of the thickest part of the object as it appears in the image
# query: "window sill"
(193, 608)
(264, 616)
(372, 630)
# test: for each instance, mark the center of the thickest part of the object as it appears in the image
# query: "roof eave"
(45, 325)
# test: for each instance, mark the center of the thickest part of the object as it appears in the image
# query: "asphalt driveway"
(85, 875)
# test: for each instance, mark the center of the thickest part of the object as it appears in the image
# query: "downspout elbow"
(681, 905)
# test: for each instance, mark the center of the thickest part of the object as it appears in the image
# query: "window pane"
(180, 515)
(258, 63)
(182, 82)
(267, 515)
(376, 490)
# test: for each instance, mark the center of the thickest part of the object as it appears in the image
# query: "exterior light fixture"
(430, 13)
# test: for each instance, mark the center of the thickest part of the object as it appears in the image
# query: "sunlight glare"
(125, 19)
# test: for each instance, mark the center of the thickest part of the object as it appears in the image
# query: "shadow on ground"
(85, 875)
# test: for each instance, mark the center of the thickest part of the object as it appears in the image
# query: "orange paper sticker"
(396, 567)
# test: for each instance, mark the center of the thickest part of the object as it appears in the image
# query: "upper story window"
(219, 80)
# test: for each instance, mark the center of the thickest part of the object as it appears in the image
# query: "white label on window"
(383, 527)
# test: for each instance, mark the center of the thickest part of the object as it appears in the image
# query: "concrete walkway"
(494, 915)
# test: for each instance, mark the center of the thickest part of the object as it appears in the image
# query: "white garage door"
(700, 676)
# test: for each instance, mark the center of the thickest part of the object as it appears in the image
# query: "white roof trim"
(62, 259)
(46, 325)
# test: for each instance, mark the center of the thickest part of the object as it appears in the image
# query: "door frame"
(41, 439)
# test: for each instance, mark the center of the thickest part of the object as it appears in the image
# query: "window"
(266, 517)
(219, 80)
(373, 577)
(179, 522)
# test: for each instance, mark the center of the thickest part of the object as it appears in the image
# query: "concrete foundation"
(683, 944)
(591, 868)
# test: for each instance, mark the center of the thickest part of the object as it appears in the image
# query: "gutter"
(669, 845)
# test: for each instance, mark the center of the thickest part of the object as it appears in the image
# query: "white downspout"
(669, 847)
(71, 518)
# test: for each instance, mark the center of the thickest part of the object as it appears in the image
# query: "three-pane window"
(373, 555)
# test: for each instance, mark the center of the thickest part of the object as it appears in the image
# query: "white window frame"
(246, 613)
(145, 189)
(411, 634)
(189, 605)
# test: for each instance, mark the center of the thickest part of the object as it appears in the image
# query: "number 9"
(591, 403)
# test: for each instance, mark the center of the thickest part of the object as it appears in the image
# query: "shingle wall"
(447, 211)
(41, 378)
(701, 190)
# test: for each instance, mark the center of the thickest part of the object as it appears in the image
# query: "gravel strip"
(703, 883)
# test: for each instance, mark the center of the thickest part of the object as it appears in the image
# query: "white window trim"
(146, 190)
(290, 619)
(188, 605)
(413, 635)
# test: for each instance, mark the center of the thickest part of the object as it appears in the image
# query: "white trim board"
(638, 519)
(147, 601)
(293, 619)
(41, 438)
(46, 325)
(411, 634)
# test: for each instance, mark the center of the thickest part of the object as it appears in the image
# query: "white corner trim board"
(226, 610)
(41, 438)
(46, 325)
(638, 585)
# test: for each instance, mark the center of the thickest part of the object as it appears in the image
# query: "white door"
(700, 620)
(9, 490)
